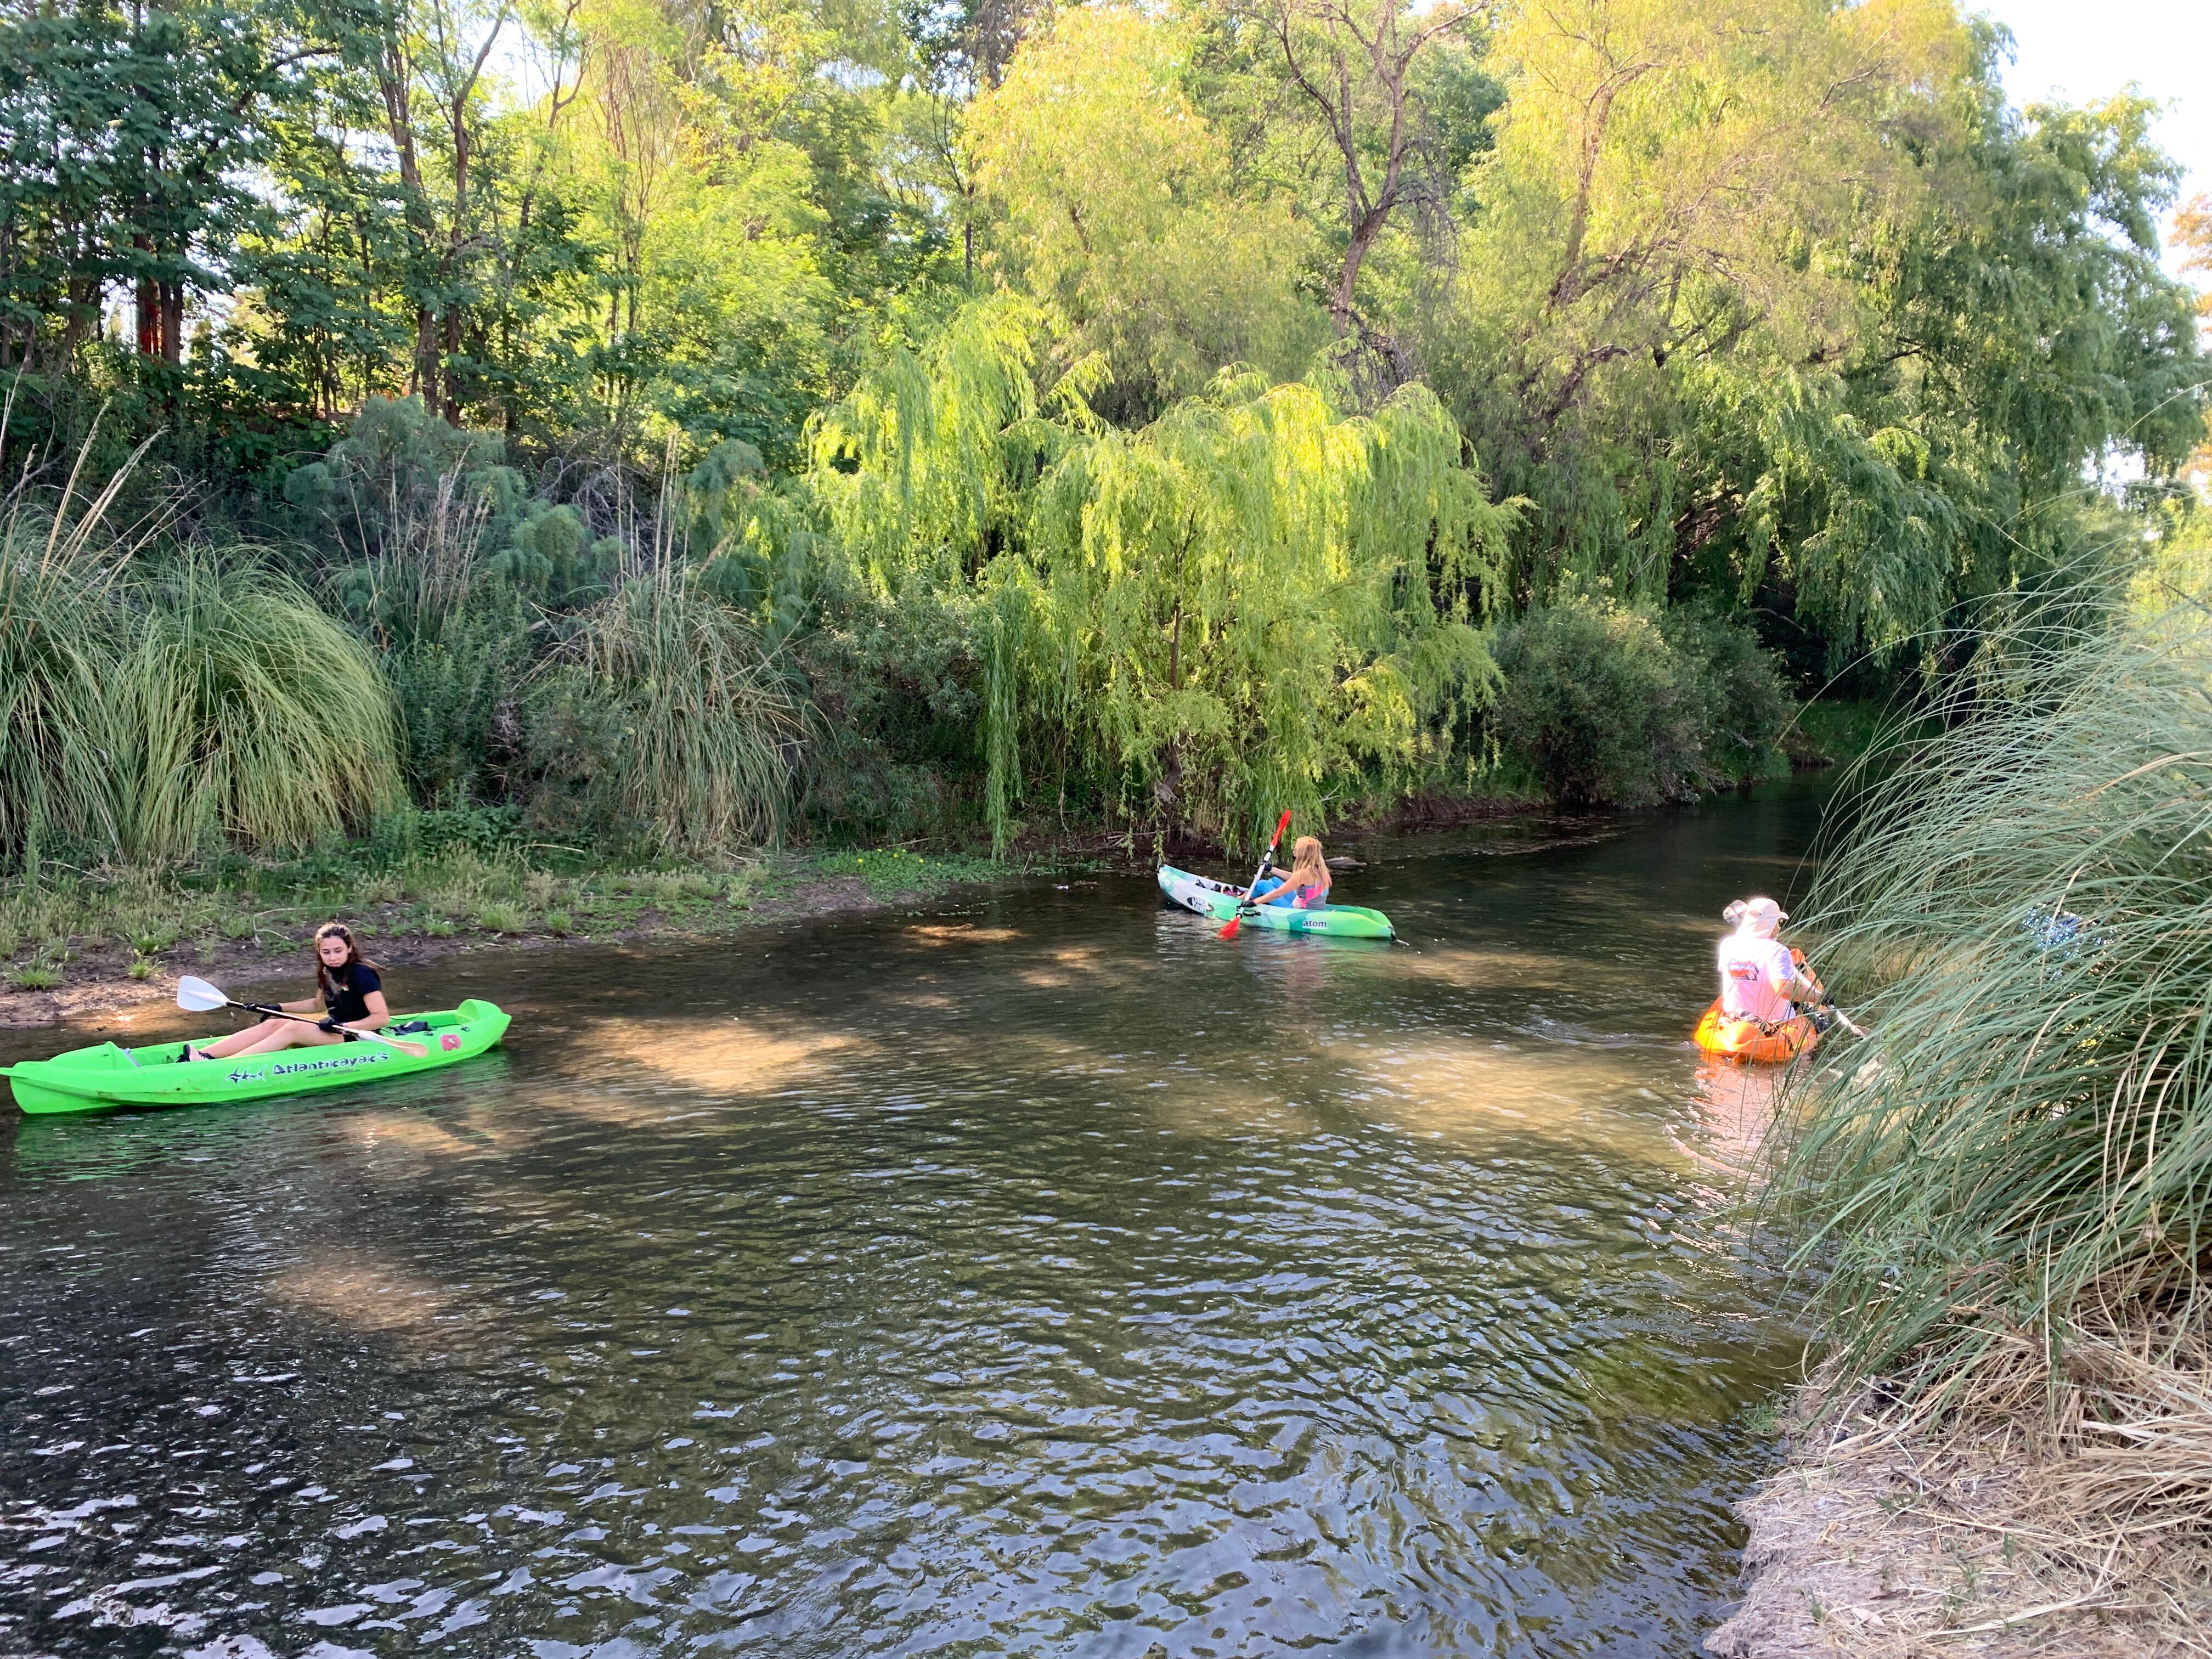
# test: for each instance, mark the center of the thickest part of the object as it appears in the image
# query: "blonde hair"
(1308, 866)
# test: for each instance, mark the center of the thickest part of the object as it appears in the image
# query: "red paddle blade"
(1230, 932)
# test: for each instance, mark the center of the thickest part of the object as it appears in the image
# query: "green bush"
(667, 724)
(1591, 699)
(247, 713)
(1611, 705)
(1743, 706)
(457, 685)
(899, 682)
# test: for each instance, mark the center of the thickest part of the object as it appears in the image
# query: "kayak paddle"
(1821, 999)
(1266, 860)
(1848, 1023)
(201, 998)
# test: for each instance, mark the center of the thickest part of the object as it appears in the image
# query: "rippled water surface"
(1041, 1276)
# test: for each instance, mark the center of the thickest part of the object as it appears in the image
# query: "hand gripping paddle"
(1266, 859)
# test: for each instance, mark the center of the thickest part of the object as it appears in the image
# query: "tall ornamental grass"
(688, 733)
(2009, 1185)
(58, 652)
(154, 703)
(245, 715)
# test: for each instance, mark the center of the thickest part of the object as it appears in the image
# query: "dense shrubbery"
(1116, 413)
(1610, 705)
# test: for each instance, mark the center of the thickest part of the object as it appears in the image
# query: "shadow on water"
(1041, 1276)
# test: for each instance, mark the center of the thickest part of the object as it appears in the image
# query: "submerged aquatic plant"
(2024, 908)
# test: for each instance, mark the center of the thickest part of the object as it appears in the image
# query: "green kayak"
(1219, 900)
(96, 1080)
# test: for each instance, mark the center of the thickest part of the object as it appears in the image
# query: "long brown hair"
(1308, 868)
(354, 957)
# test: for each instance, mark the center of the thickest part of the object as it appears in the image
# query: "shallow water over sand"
(1042, 1276)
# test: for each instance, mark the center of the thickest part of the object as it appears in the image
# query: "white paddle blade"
(199, 996)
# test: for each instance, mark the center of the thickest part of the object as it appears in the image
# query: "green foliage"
(669, 724)
(1805, 313)
(898, 685)
(948, 359)
(2031, 1145)
(900, 872)
(58, 648)
(1743, 707)
(131, 136)
(1121, 213)
(163, 704)
(245, 714)
(757, 549)
(1831, 730)
(1257, 601)
(1611, 705)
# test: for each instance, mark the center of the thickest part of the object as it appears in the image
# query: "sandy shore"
(1882, 1539)
(100, 982)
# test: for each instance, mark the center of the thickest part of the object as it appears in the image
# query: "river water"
(1036, 1275)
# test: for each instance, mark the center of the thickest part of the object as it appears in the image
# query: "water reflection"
(1048, 1277)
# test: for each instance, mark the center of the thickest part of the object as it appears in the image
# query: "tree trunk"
(146, 303)
(172, 296)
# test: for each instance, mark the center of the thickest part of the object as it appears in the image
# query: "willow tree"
(1793, 308)
(1257, 601)
(1123, 211)
(923, 469)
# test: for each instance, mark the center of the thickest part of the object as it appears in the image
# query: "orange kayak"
(1743, 1042)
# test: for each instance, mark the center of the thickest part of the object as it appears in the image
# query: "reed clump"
(157, 700)
(248, 715)
(673, 722)
(2008, 1191)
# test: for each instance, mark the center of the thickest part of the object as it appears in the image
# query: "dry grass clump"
(1897, 1534)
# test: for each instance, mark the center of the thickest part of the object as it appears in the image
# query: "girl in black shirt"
(349, 990)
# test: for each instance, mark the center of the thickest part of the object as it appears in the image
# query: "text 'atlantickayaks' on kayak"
(97, 1078)
(1218, 900)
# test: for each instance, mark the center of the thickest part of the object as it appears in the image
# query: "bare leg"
(239, 1042)
(287, 1034)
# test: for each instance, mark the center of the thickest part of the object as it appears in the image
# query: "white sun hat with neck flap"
(1755, 915)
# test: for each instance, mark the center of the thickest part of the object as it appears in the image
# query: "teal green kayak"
(98, 1079)
(1219, 900)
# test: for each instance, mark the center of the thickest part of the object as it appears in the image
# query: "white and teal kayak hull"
(1218, 900)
